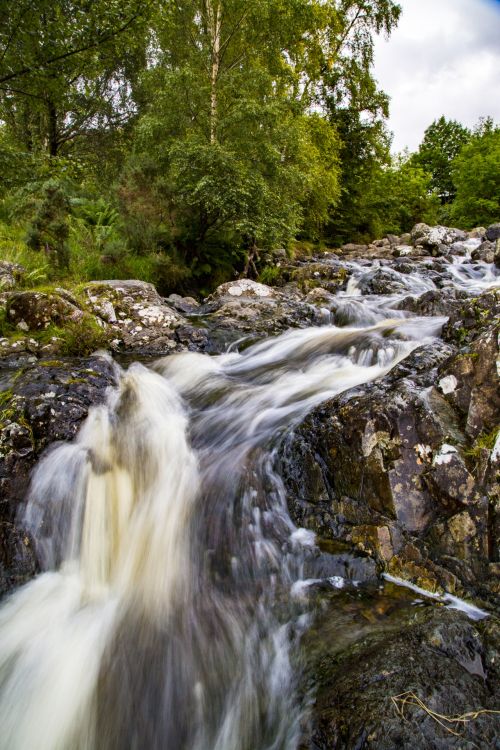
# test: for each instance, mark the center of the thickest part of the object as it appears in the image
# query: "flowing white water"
(163, 618)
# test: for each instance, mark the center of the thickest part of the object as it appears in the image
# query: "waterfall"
(162, 617)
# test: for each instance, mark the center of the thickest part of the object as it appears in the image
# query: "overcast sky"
(443, 59)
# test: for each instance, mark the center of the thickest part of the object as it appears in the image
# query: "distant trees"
(476, 173)
(441, 144)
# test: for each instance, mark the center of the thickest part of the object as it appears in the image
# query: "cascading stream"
(162, 618)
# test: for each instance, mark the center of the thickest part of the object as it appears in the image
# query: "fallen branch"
(403, 700)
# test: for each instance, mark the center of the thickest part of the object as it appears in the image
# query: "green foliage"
(82, 338)
(476, 173)
(66, 69)
(394, 197)
(49, 230)
(269, 275)
(441, 144)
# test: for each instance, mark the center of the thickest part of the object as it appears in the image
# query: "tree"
(476, 174)
(66, 68)
(357, 108)
(441, 144)
(235, 157)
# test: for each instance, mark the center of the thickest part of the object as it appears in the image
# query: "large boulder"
(473, 317)
(391, 471)
(250, 310)
(493, 232)
(34, 311)
(370, 657)
(138, 318)
(438, 302)
(471, 383)
(437, 236)
(42, 404)
(485, 252)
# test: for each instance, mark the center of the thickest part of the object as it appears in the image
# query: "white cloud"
(443, 59)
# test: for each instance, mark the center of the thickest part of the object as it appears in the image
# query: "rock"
(473, 383)
(364, 654)
(394, 240)
(383, 280)
(329, 273)
(465, 247)
(248, 310)
(493, 232)
(244, 289)
(34, 311)
(477, 232)
(442, 302)
(352, 248)
(485, 252)
(473, 317)
(11, 275)
(436, 237)
(184, 305)
(46, 403)
(138, 318)
(386, 471)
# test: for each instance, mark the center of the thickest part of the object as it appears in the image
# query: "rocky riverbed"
(397, 477)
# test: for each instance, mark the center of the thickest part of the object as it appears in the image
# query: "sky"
(443, 59)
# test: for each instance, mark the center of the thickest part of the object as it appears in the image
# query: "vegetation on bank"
(175, 142)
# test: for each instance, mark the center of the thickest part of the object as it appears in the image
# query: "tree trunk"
(214, 16)
(53, 142)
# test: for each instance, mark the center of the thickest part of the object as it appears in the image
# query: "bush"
(49, 230)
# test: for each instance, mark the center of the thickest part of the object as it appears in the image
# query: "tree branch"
(70, 53)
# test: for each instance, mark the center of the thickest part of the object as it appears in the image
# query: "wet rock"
(387, 471)
(243, 289)
(401, 251)
(363, 656)
(493, 232)
(437, 236)
(442, 302)
(473, 317)
(477, 232)
(45, 403)
(485, 252)
(471, 383)
(248, 310)
(351, 248)
(183, 305)
(329, 274)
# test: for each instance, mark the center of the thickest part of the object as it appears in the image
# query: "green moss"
(76, 339)
(486, 440)
(6, 328)
(269, 275)
(7, 411)
(5, 396)
(51, 363)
